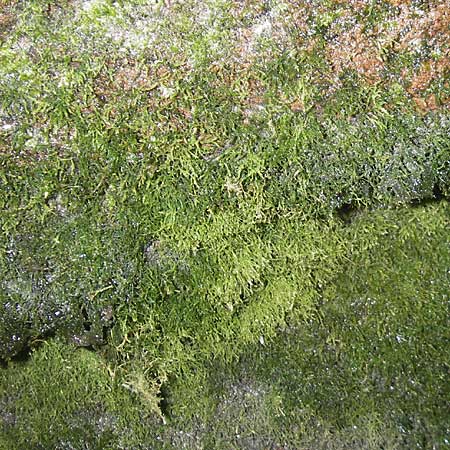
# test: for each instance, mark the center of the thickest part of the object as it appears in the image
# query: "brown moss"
(356, 50)
(130, 76)
(7, 17)
(354, 4)
(362, 49)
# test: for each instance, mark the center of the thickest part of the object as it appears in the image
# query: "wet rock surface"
(223, 224)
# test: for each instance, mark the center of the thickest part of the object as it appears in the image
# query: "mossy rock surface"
(366, 368)
(221, 226)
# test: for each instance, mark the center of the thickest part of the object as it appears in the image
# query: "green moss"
(376, 349)
(167, 207)
(61, 394)
(366, 370)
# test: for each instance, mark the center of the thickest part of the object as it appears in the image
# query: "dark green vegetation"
(207, 245)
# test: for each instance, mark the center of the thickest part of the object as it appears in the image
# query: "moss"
(366, 370)
(170, 207)
(376, 349)
(62, 393)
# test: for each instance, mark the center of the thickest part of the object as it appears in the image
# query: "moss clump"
(367, 369)
(61, 397)
(68, 397)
